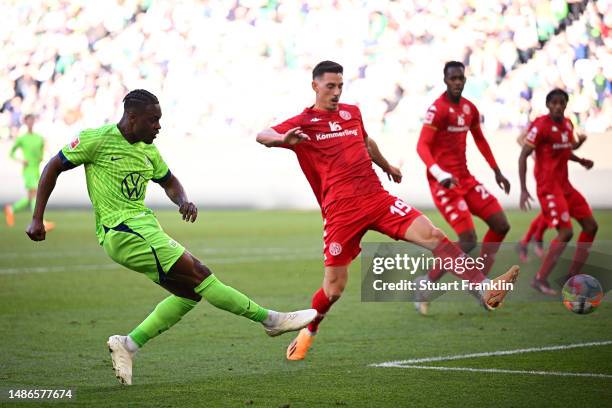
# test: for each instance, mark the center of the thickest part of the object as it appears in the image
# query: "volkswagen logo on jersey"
(133, 186)
(345, 114)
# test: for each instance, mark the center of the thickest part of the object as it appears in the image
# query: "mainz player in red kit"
(336, 155)
(552, 138)
(455, 191)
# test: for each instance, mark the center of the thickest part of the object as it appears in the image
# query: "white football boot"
(278, 323)
(121, 358)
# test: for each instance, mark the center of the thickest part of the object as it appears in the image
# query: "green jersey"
(117, 173)
(32, 146)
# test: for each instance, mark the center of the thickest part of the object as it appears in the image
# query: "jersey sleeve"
(435, 117)
(535, 134)
(81, 150)
(476, 118)
(16, 146)
(161, 172)
(361, 125)
(283, 127)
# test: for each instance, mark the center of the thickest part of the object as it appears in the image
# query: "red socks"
(322, 304)
(582, 253)
(490, 245)
(447, 249)
(553, 254)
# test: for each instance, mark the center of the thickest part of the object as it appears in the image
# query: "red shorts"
(561, 204)
(346, 221)
(457, 204)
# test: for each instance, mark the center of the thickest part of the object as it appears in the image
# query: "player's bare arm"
(271, 138)
(485, 150)
(394, 173)
(36, 229)
(175, 192)
(586, 163)
(581, 139)
(525, 199)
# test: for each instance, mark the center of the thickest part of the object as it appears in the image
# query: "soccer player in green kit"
(119, 161)
(32, 146)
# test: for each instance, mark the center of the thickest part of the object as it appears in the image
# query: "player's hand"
(525, 200)
(582, 138)
(295, 136)
(36, 230)
(449, 182)
(502, 182)
(394, 174)
(587, 164)
(189, 211)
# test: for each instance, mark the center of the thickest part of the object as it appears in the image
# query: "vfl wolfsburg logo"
(133, 186)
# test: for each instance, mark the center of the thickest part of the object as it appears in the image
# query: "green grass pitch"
(61, 299)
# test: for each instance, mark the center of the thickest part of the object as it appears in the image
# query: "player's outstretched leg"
(189, 281)
(334, 282)
(422, 232)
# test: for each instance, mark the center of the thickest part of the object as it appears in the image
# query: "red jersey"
(335, 160)
(553, 143)
(443, 138)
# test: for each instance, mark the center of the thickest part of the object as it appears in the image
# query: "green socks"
(166, 314)
(229, 299)
(170, 310)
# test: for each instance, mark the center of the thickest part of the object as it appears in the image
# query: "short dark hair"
(138, 99)
(453, 64)
(28, 116)
(557, 92)
(326, 66)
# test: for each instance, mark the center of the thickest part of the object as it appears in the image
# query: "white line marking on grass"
(416, 362)
(499, 370)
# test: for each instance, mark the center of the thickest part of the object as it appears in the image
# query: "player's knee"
(565, 234)
(201, 270)
(502, 228)
(591, 227)
(433, 234)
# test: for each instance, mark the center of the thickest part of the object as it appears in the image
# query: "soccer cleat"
(422, 308)
(9, 215)
(291, 322)
(49, 226)
(543, 286)
(299, 346)
(121, 358)
(522, 250)
(493, 298)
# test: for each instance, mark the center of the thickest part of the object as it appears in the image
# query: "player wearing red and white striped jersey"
(336, 155)
(552, 138)
(456, 192)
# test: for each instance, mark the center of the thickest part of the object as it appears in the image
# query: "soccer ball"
(582, 294)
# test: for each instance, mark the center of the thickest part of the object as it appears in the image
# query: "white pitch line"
(499, 370)
(490, 354)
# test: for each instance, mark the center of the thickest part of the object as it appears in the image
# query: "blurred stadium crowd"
(228, 67)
